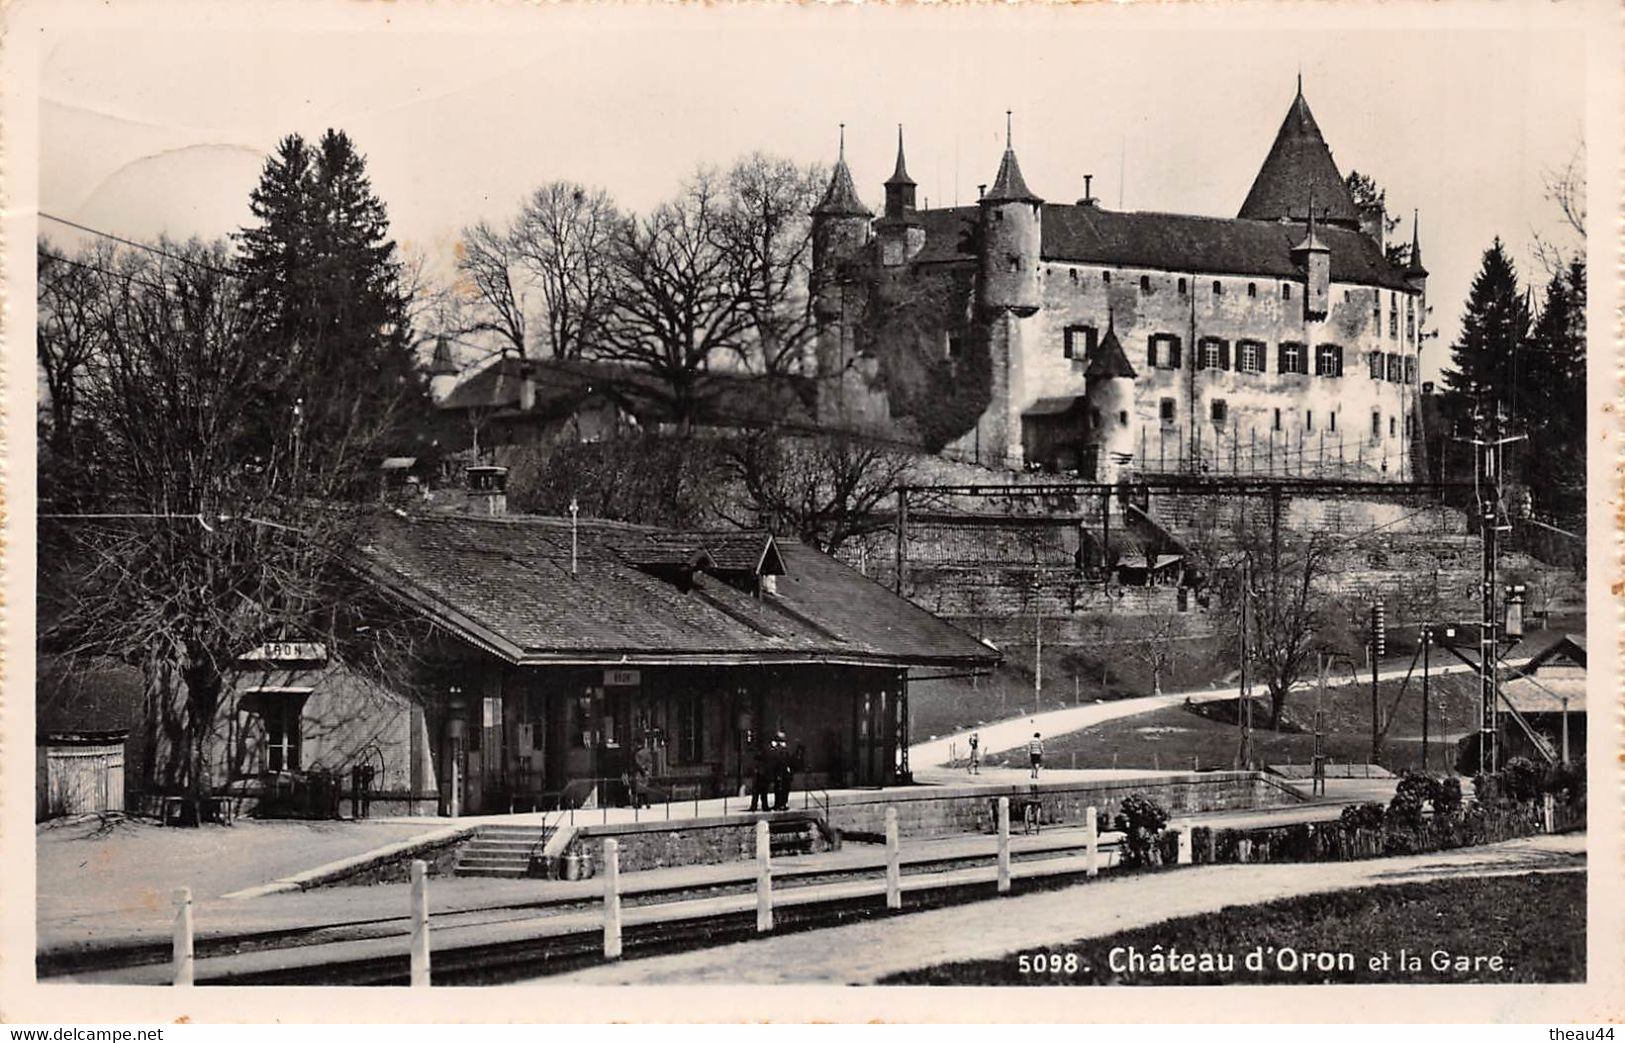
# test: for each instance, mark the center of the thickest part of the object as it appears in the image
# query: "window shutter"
(1173, 353)
(1224, 354)
(1200, 360)
(1151, 353)
(1339, 349)
(1263, 359)
(1303, 360)
(1281, 361)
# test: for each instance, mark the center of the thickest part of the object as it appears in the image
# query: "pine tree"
(323, 279)
(1555, 399)
(1494, 329)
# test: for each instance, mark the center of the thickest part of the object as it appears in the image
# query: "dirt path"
(862, 953)
(1001, 736)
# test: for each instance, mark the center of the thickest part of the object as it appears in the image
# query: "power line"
(232, 273)
(106, 271)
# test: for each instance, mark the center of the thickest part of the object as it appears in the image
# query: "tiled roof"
(1108, 359)
(1054, 406)
(1545, 694)
(1299, 165)
(900, 175)
(505, 584)
(563, 386)
(1009, 186)
(841, 198)
(1169, 242)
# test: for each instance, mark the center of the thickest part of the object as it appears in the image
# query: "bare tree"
(824, 489)
(203, 537)
(563, 238)
(486, 265)
(1566, 188)
(1290, 617)
(1157, 646)
(679, 303)
(766, 230)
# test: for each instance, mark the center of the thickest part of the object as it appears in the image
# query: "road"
(863, 953)
(1008, 735)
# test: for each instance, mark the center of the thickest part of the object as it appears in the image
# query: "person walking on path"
(975, 765)
(1035, 753)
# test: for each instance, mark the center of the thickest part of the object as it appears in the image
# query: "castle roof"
(841, 198)
(1009, 186)
(442, 363)
(1108, 359)
(1169, 242)
(1299, 164)
(1413, 264)
(900, 175)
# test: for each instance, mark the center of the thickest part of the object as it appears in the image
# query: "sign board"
(289, 651)
(621, 678)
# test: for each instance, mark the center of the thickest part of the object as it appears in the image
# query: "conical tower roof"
(900, 175)
(1300, 163)
(1010, 186)
(442, 364)
(1109, 359)
(841, 198)
(1413, 266)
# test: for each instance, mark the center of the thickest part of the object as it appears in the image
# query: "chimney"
(1372, 219)
(527, 386)
(1088, 195)
(488, 490)
(981, 190)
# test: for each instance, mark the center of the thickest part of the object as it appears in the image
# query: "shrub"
(1140, 819)
(1410, 796)
(1521, 779)
(1446, 797)
(1362, 816)
(1487, 789)
(1567, 782)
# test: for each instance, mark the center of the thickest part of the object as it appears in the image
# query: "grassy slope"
(1536, 923)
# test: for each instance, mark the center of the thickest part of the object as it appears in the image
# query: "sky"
(163, 125)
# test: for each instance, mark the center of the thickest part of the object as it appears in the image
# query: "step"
(492, 871)
(483, 858)
(485, 844)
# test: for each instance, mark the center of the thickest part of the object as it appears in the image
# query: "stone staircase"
(501, 851)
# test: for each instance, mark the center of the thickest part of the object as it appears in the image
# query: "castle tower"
(442, 371)
(840, 233)
(899, 229)
(1300, 164)
(1108, 436)
(1011, 238)
(1416, 276)
(1315, 258)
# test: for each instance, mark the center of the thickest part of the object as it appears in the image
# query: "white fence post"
(420, 923)
(1185, 843)
(1549, 812)
(1004, 844)
(1091, 842)
(184, 958)
(894, 867)
(612, 899)
(764, 877)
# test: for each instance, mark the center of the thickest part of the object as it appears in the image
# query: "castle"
(1070, 337)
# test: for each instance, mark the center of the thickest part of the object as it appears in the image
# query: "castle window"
(1106, 277)
(956, 345)
(1165, 412)
(1376, 311)
(1392, 425)
(1213, 353)
(1145, 284)
(1407, 425)
(1375, 360)
(1218, 288)
(1250, 356)
(1078, 342)
(1293, 357)
(1329, 360)
(1396, 368)
(1073, 272)
(1308, 419)
(1162, 351)
(1252, 289)
(1376, 426)
(1122, 418)
(1333, 420)
(1277, 418)
(1393, 315)
(1184, 287)
(1014, 260)
(1220, 411)
(1410, 370)
(1286, 291)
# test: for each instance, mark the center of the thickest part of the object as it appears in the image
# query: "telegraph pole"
(1427, 640)
(1379, 645)
(1487, 488)
(1244, 715)
(1317, 784)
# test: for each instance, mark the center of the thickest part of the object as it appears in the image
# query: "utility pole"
(1244, 715)
(1317, 784)
(1038, 653)
(1379, 645)
(1427, 640)
(902, 537)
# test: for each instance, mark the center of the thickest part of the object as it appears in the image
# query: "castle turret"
(901, 234)
(1416, 276)
(1011, 236)
(1315, 258)
(442, 371)
(1108, 436)
(840, 230)
(1300, 164)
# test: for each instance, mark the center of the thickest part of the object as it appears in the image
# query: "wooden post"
(764, 878)
(183, 953)
(894, 863)
(1548, 812)
(1184, 844)
(1091, 842)
(420, 923)
(1004, 845)
(612, 899)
